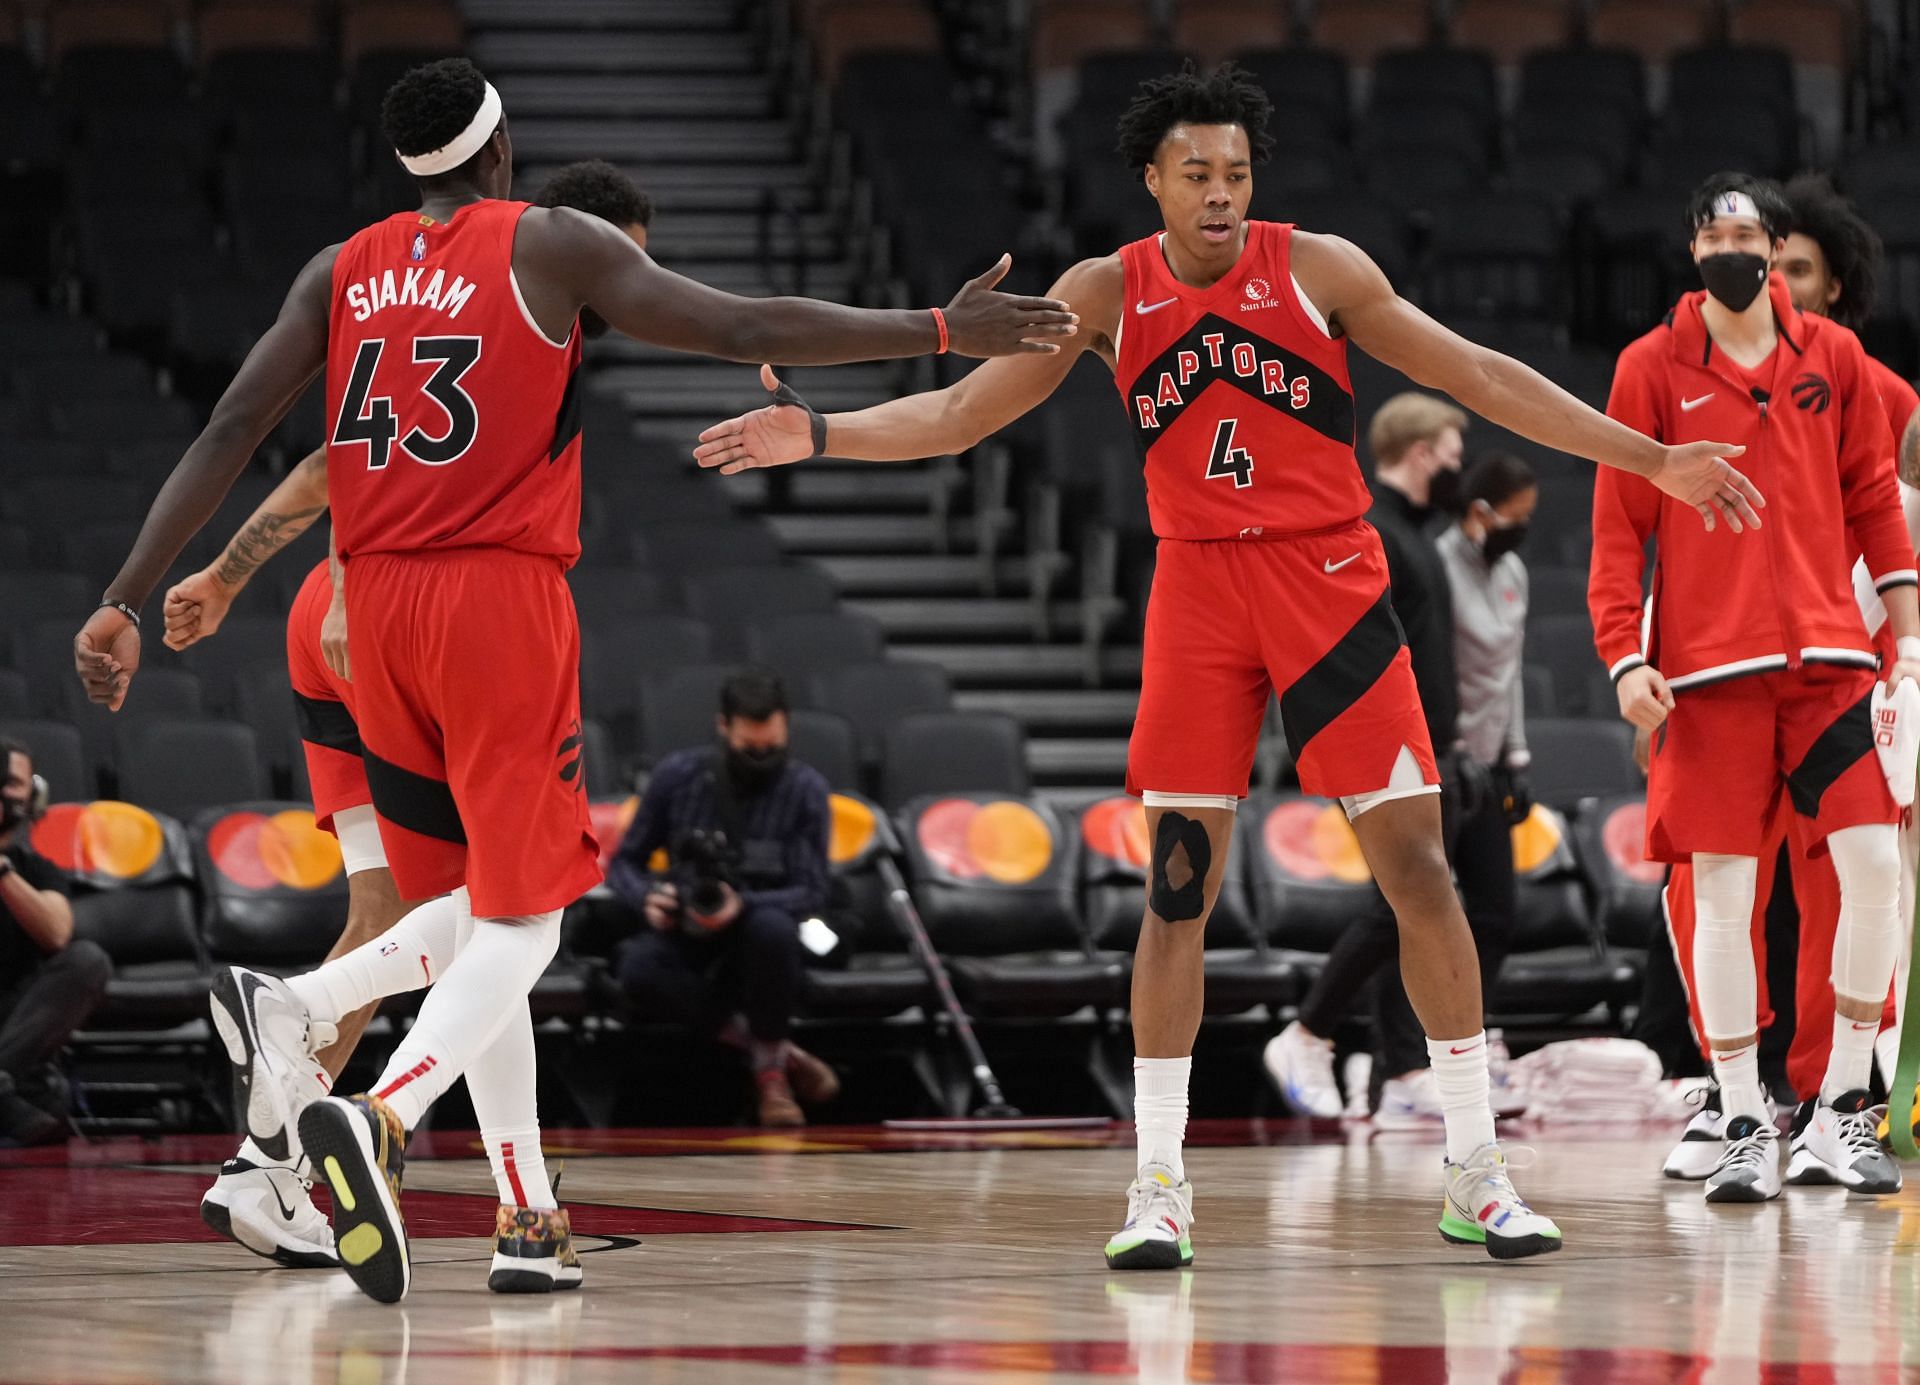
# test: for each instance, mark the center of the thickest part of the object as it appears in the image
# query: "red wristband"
(940, 321)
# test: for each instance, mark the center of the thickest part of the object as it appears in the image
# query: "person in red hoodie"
(1831, 265)
(1751, 665)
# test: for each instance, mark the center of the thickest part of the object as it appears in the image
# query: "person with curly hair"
(1227, 337)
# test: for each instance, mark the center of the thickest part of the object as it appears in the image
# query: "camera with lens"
(705, 866)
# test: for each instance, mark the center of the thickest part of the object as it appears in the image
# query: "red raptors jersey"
(1239, 397)
(454, 422)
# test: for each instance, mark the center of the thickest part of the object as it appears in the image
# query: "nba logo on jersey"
(388, 948)
(419, 245)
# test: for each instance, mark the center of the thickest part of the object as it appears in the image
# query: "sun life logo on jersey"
(419, 245)
(1259, 295)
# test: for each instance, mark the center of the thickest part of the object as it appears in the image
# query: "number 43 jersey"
(453, 420)
(1238, 396)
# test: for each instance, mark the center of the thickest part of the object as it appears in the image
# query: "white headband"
(462, 146)
(1732, 203)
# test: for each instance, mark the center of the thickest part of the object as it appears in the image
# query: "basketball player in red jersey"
(266, 1204)
(1228, 341)
(1830, 260)
(451, 345)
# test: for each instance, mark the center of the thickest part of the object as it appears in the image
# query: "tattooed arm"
(196, 605)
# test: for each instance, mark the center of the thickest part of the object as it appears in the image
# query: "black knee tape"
(1189, 901)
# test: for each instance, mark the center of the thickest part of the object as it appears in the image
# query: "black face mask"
(1500, 542)
(12, 813)
(754, 771)
(1443, 492)
(1734, 279)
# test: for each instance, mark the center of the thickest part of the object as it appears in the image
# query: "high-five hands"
(1698, 474)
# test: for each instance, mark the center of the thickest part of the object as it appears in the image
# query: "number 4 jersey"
(453, 420)
(1239, 397)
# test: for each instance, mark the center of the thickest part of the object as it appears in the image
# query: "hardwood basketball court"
(867, 1255)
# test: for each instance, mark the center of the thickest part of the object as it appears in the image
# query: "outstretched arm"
(196, 605)
(280, 366)
(588, 262)
(1350, 289)
(939, 422)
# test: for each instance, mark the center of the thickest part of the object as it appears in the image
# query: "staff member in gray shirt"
(1489, 586)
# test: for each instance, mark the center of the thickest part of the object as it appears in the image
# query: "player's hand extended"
(1697, 474)
(981, 322)
(333, 637)
(194, 608)
(773, 436)
(106, 654)
(1645, 698)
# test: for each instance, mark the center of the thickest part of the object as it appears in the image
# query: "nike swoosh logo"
(1331, 566)
(1687, 406)
(286, 1212)
(1143, 307)
(1458, 1051)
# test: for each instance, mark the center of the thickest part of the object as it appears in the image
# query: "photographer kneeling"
(745, 829)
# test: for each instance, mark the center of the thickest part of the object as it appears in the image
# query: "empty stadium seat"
(58, 755)
(243, 642)
(1431, 76)
(1564, 645)
(616, 657)
(1612, 837)
(1115, 852)
(685, 547)
(1497, 255)
(881, 976)
(995, 881)
(275, 886)
(132, 877)
(1308, 877)
(1542, 700)
(1555, 591)
(1578, 760)
(1655, 30)
(678, 708)
(1214, 29)
(1361, 30)
(1558, 963)
(264, 701)
(874, 696)
(826, 742)
(1508, 30)
(607, 596)
(157, 693)
(1066, 31)
(14, 702)
(841, 29)
(951, 752)
(804, 647)
(184, 767)
(730, 597)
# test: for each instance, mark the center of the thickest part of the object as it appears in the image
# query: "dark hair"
(1851, 246)
(431, 104)
(1496, 477)
(753, 694)
(1228, 95)
(1775, 215)
(599, 189)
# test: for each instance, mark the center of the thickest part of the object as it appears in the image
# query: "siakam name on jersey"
(411, 288)
(1245, 362)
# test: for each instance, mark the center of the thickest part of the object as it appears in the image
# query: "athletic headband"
(462, 146)
(1732, 203)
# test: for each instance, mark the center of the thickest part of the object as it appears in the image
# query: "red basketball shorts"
(1728, 752)
(323, 704)
(1231, 621)
(466, 671)
(1816, 890)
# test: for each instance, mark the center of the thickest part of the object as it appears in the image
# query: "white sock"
(1160, 1110)
(467, 1009)
(411, 954)
(1460, 1076)
(1850, 1064)
(1723, 974)
(1866, 947)
(1737, 1070)
(502, 1083)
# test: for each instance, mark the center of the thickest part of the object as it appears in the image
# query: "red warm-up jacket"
(1819, 449)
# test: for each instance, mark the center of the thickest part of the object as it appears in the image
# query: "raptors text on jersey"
(453, 420)
(1238, 397)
